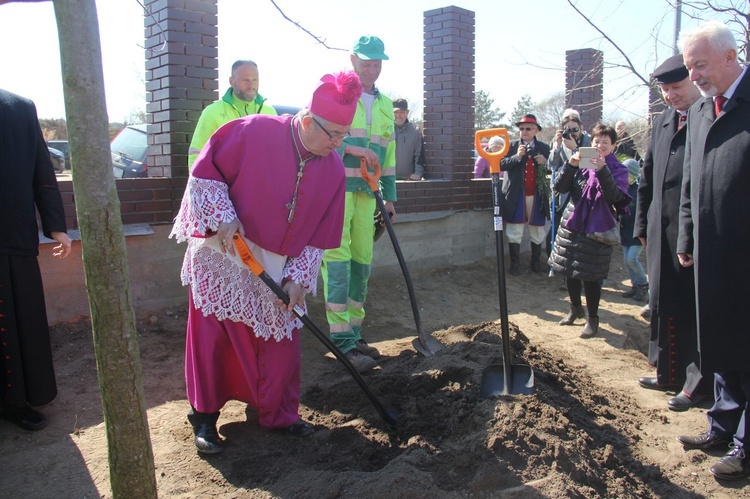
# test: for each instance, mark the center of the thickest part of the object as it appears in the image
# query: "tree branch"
(629, 64)
(317, 38)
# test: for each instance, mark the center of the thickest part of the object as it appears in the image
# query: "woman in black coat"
(599, 185)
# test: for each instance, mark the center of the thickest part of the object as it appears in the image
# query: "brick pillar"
(181, 78)
(584, 90)
(448, 92)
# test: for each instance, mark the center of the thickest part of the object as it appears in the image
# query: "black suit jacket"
(27, 179)
(715, 226)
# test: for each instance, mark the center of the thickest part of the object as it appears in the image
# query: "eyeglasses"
(333, 137)
(573, 129)
(526, 128)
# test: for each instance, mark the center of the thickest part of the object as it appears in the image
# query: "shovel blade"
(493, 383)
(427, 345)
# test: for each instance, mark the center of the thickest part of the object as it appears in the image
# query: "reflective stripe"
(336, 307)
(340, 328)
(357, 173)
(356, 304)
(356, 322)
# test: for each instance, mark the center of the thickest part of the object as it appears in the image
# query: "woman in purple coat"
(598, 190)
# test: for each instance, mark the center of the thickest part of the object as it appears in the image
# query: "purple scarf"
(592, 212)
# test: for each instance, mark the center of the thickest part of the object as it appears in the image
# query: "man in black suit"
(526, 193)
(27, 183)
(674, 345)
(714, 236)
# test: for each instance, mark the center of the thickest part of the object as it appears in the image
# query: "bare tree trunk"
(131, 460)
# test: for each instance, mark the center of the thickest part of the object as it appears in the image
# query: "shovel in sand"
(505, 378)
(426, 344)
(389, 415)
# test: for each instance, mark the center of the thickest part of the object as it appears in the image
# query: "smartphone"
(588, 153)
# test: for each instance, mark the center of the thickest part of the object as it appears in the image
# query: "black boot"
(536, 254)
(641, 293)
(515, 258)
(591, 328)
(207, 438)
(576, 312)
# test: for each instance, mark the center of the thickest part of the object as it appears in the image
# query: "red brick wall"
(156, 200)
(584, 88)
(448, 93)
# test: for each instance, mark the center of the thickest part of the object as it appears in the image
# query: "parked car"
(129, 147)
(286, 110)
(62, 146)
(58, 159)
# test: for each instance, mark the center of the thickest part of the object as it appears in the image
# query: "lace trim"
(224, 287)
(304, 269)
(204, 206)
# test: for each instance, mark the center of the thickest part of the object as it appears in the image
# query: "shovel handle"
(246, 255)
(493, 158)
(370, 178)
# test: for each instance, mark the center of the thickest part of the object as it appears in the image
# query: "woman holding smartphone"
(598, 188)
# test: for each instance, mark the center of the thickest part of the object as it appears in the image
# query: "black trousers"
(730, 414)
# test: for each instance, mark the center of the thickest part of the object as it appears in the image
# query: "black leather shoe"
(300, 429)
(25, 417)
(704, 441)
(735, 465)
(207, 439)
(683, 402)
(652, 383)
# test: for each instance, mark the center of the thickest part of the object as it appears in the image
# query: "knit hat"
(634, 169)
(370, 47)
(335, 99)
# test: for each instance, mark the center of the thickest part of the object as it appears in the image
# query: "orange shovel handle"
(246, 255)
(370, 178)
(493, 158)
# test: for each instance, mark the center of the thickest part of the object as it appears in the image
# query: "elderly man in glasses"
(526, 193)
(286, 197)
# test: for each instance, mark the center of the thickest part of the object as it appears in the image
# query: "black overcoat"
(27, 179)
(715, 227)
(657, 215)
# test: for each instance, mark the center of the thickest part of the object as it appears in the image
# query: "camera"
(530, 152)
(567, 134)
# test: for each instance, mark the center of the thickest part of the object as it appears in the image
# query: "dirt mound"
(587, 431)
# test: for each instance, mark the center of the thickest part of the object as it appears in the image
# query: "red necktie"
(719, 104)
(682, 121)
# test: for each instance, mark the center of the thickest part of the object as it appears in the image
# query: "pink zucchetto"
(335, 99)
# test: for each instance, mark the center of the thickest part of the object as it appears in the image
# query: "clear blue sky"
(518, 50)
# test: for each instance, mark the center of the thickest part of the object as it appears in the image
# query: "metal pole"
(677, 25)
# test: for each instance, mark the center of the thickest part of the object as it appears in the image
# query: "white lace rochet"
(221, 284)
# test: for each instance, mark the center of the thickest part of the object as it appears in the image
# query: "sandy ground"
(587, 431)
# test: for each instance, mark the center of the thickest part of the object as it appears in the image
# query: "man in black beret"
(673, 348)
